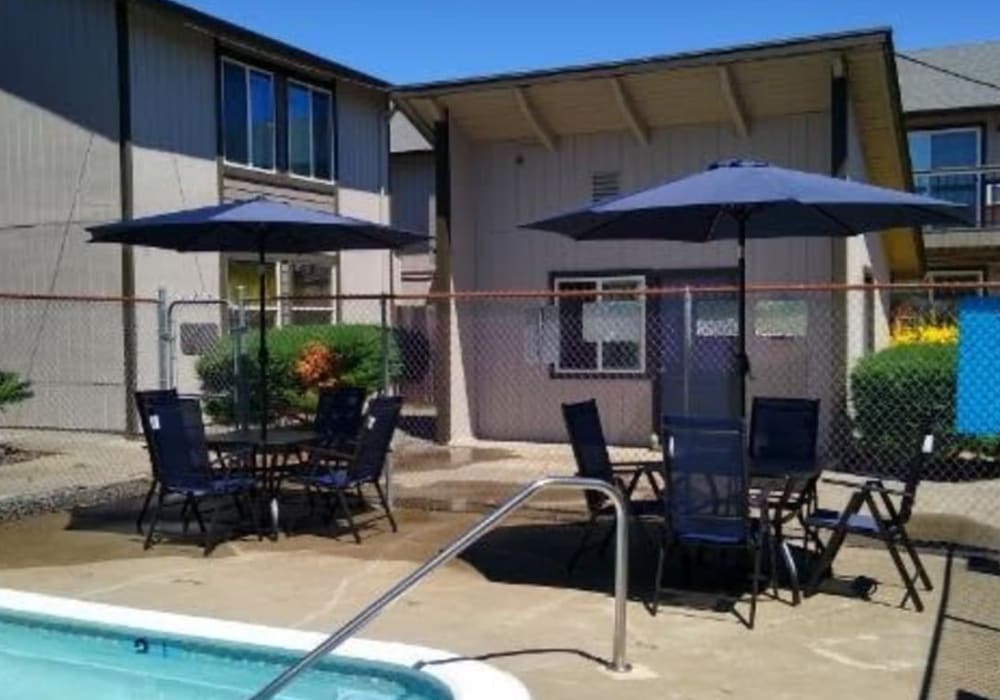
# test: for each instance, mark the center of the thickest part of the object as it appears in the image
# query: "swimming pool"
(61, 648)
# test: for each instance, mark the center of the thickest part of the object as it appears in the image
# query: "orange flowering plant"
(317, 366)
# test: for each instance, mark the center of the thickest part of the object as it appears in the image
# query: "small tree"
(13, 389)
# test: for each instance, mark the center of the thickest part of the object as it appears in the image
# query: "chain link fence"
(483, 376)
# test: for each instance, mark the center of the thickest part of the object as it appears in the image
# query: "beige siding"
(58, 174)
(173, 167)
(411, 180)
(512, 183)
(362, 177)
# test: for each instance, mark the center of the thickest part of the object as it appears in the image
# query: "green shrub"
(900, 391)
(13, 389)
(358, 349)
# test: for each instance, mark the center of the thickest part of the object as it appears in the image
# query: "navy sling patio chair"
(885, 521)
(706, 500)
(331, 472)
(339, 412)
(144, 402)
(186, 469)
(590, 451)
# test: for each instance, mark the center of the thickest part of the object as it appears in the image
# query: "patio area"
(509, 601)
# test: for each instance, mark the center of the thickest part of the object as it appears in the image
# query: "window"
(310, 128)
(944, 301)
(951, 153)
(242, 283)
(306, 289)
(599, 332)
(248, 125)
(780, 318)
(314, 281)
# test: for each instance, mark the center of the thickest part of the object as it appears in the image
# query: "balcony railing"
(978, 187)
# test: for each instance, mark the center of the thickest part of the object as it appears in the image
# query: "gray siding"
(59, 173)
(497, 186)
(411, 194)
(173, 166)
(362, 174)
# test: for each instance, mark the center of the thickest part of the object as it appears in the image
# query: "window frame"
(977, 130)
(311, 87)
(284, 309)
(558, 371)
(247, 69)
(976, 275)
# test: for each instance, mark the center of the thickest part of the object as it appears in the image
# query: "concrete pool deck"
(509, 601)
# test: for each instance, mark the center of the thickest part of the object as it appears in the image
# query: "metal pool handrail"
(618, 662)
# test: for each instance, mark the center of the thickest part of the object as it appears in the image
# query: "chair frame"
(598, 465)
(212, 473)
(144, 401)
(672, 540)
(889, 525)
(323, 462)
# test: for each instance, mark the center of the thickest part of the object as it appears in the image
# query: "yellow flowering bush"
(929, 333)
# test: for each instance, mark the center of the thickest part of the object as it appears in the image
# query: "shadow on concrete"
(961, 662)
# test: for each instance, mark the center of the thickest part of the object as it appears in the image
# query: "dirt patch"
(16, 455)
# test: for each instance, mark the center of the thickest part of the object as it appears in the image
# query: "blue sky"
(418, 40)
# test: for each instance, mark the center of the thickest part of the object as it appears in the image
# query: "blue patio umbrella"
(741, 199)
(258, 226)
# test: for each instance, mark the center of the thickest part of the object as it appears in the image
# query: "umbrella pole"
(743, 359)
(262, 341)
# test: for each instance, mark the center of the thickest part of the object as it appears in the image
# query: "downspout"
(127, 203)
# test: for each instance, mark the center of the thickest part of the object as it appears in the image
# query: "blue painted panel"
(978, 400)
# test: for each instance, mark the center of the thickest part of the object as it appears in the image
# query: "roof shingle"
(926, 89)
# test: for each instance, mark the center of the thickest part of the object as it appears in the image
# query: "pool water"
(45, 658)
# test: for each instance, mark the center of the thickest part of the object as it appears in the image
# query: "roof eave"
(227, 31)
(752, 51)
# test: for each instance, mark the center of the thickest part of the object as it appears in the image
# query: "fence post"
(163, 339)
(383, 310)
(688, 342)
(242, 397)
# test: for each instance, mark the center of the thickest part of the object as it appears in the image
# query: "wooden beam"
(629, 112)
(528, 110)
(731, 95)
(437, 112)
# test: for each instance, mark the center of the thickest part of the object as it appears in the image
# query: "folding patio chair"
(590, 450)
(782, 445)
(186, 469)
(338, 416)
(885, 521)
(707, 498)
(332, 472)
(144, 401)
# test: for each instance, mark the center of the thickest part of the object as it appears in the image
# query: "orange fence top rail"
(502, 294)
(652, 291)
(96, 298)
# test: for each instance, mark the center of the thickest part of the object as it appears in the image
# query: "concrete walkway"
(508, 600)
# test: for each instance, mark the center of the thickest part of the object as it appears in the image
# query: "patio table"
(786, 480)
(272, 452)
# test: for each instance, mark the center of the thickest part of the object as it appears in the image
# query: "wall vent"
(605, 185)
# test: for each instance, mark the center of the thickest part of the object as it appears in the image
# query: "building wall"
(59, 172)
(363, 172)
(497, 186)
(944, 249)
(411, 189)
(174, 166)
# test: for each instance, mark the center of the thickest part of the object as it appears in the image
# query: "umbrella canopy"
(260, 226)
(250, 225)
(773, 202)
(740, 199)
